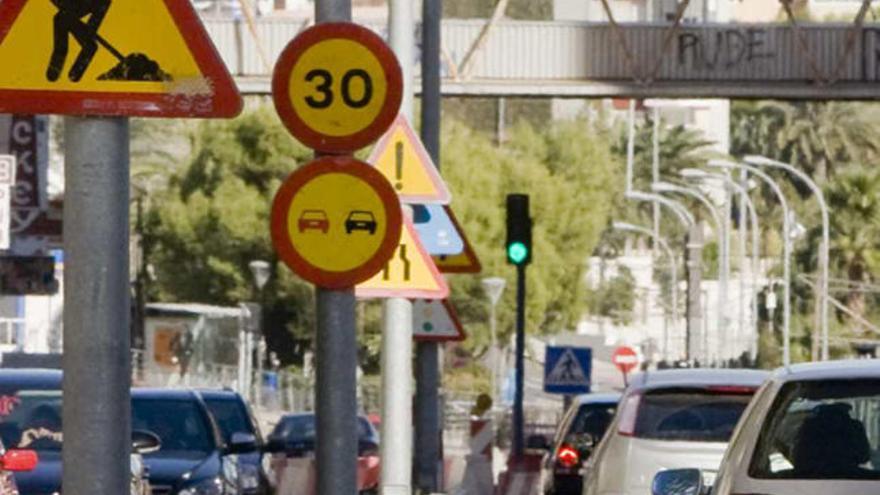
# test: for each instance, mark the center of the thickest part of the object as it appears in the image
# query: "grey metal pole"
(786, 251)
(97, 351)
(630, 145)
(655, 168)
(743, 231)
(429, 429)
(822, 299)
(336, 393)
(723, 347)
(397, 338)
(336, 360)
(694, 264)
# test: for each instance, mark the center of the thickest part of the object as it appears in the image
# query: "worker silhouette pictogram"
(69, 21)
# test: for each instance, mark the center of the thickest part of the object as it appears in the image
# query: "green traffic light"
(517, 252)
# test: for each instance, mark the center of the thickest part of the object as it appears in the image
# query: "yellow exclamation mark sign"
(398, 168)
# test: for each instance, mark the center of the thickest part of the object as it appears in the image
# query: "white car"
(668, 420)
(813, 429)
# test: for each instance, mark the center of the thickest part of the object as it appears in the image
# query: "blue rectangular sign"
(568, 370)
(436, 230)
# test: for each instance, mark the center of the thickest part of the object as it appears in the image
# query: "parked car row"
(184, 442)
(803, 430)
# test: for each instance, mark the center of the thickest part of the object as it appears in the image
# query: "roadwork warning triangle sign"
(149, 58)
(411, 273)
(567, 372)
(403, 160)
(436, 321)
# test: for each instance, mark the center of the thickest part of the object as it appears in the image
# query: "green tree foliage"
(212, 220)
(819, 137)
(571, 176)
(615, 299)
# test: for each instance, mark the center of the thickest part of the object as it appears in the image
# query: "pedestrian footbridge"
(582, 60)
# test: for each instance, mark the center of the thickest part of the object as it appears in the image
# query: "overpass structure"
(564, 59)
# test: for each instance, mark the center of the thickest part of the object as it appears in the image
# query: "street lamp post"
(697, 174)
(694, 247)
(494, 287)
(723, 258)
(822, 300)
(260, 270)
(628, 227)
(786, 249)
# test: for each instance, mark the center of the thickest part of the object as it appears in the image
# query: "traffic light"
(519, 230)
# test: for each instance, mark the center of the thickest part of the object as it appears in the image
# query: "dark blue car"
(188, 455)
(235, 419)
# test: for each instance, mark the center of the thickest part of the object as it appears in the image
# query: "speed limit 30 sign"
(337, 87)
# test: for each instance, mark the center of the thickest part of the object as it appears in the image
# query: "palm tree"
(819, 137)
(854, 197)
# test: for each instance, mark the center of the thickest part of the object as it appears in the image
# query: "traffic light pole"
(428, 459)
(518, 413)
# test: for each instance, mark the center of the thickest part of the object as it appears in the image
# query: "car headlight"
(248, 477)
(213, 486)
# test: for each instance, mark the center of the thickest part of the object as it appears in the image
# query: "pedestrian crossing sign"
(567, 370)
(150, 58)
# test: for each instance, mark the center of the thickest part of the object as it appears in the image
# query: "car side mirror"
(242, 443)
(19, 460)
(144, 442)
(537, 442)
(274, 445)
(679, 482)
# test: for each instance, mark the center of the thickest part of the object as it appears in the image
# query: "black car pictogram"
(360, 220)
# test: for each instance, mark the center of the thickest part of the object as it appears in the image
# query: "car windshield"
(231, 417)
(691, 415)
(31, 419)
(821, 430)
(179, 423)
(593, 420)
(302, 429)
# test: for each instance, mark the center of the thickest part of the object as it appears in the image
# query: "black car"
(580, 430)
(30, 418)
(360, 220)
(235, 420)
(194, 458)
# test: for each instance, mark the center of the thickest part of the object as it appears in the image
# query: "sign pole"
(429, 429)
(97, 356)
(518, 413)
(397, 338)
(336, 392)
(335, 359)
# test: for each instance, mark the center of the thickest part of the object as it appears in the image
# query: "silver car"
(666, 420)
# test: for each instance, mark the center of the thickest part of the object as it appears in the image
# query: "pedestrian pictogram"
(111, 57)
(625, 358)
(402, 158)
(567, 370)
(336, 222)
(409, 273)
(337, 87)
(436, 321)
(464, 262)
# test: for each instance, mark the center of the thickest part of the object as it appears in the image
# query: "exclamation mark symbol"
(398, 169)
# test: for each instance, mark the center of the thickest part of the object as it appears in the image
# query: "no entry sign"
(626, 359)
